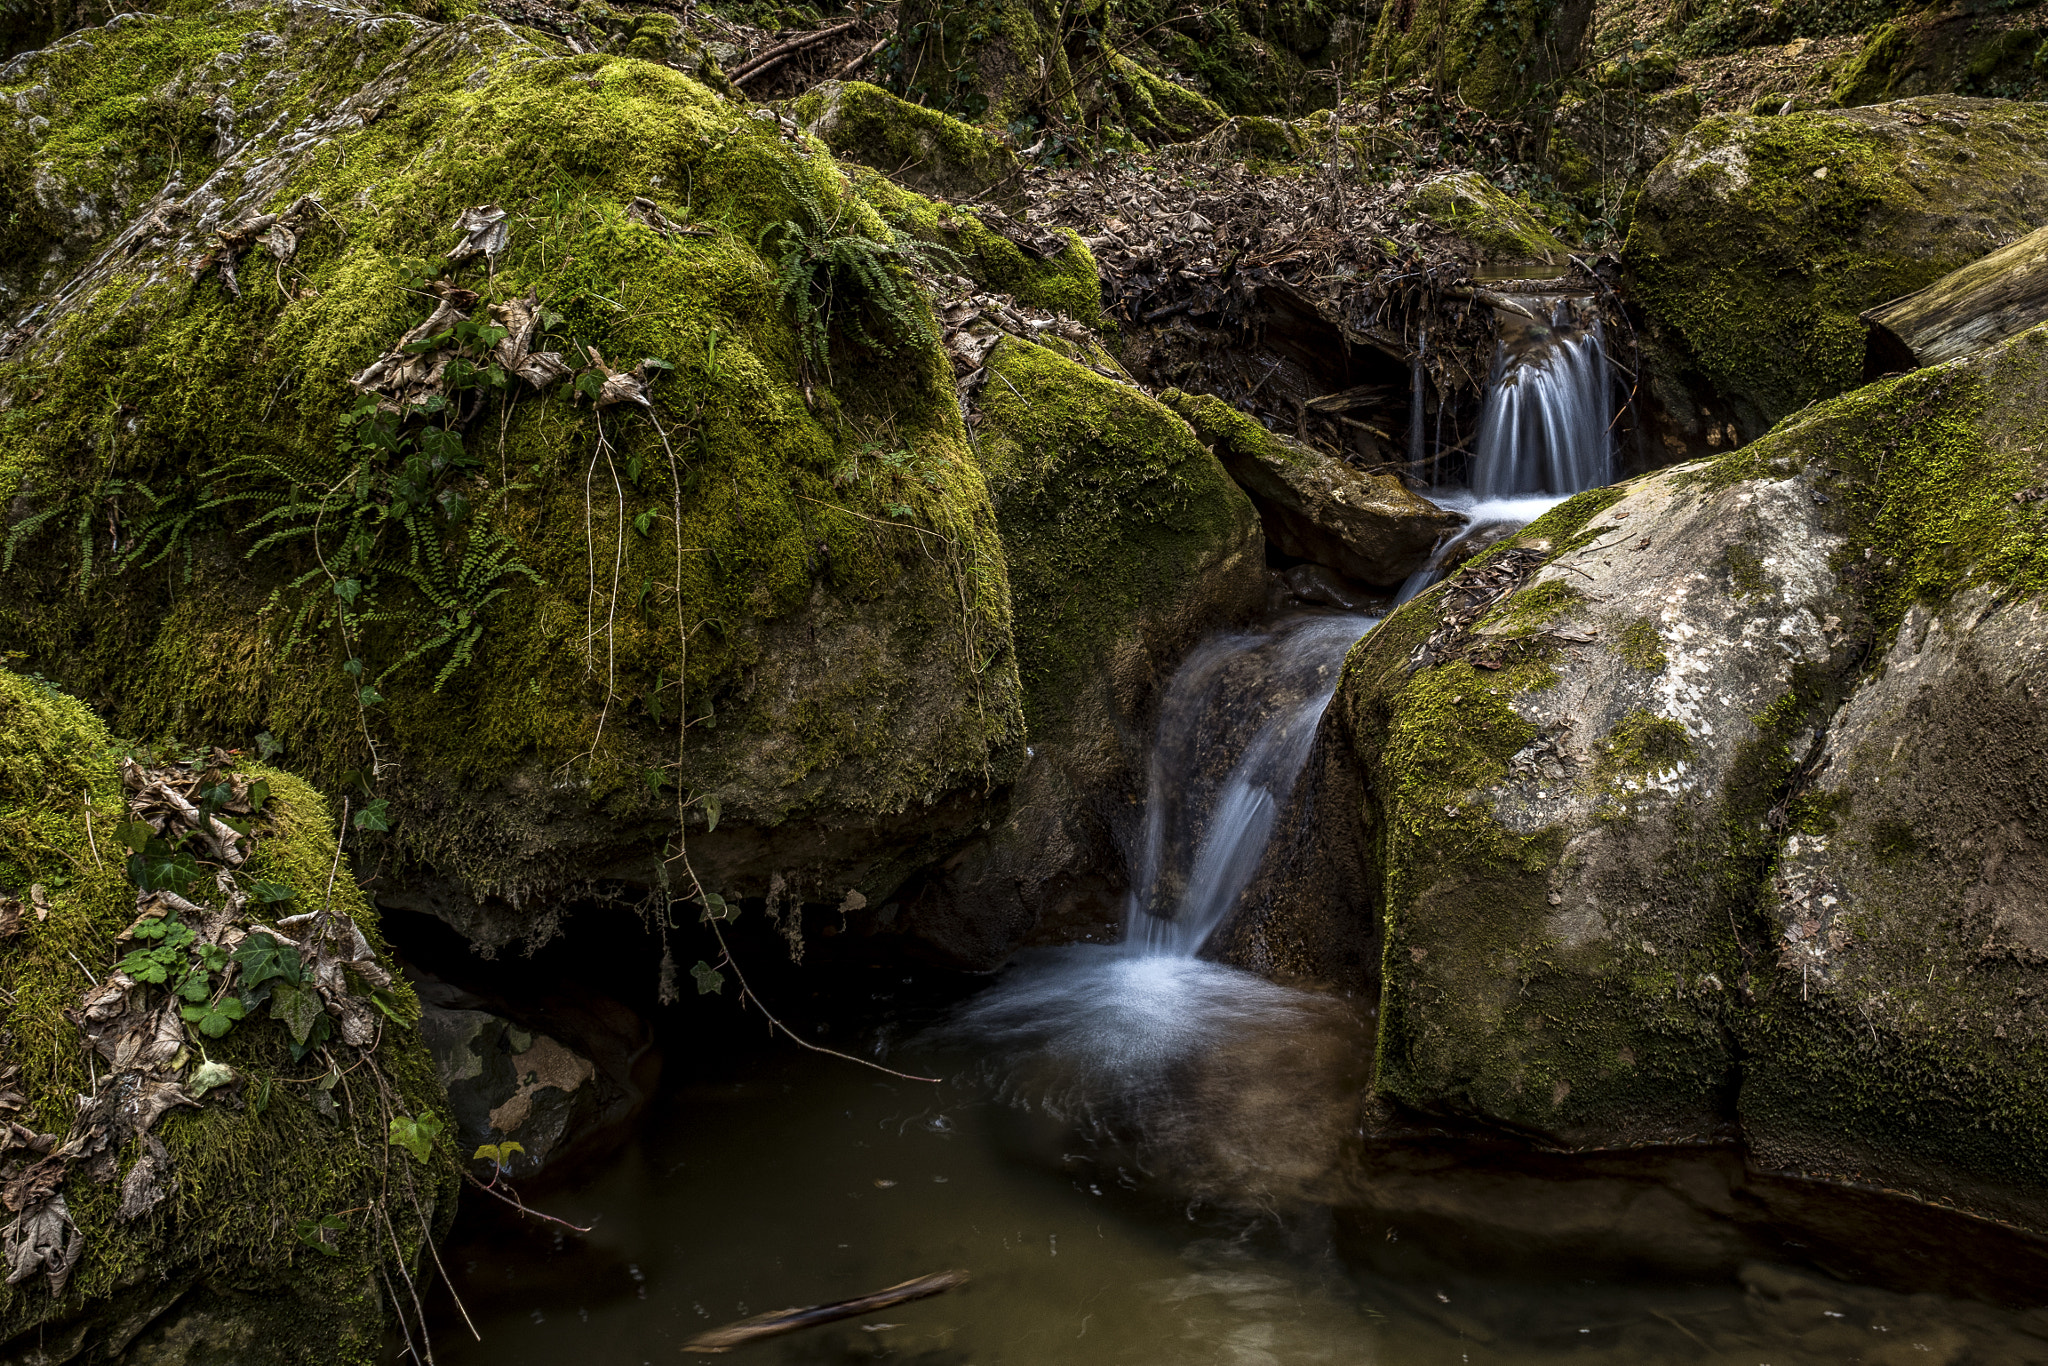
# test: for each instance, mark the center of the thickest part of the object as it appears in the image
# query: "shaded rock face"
(1707, 807)
(507, 1084)
(1758, 240)
(1129, 543)
(1366, 527)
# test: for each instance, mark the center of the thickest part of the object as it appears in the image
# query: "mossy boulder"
(1015, 66)
(1502, 56)
(1758, 240)
(919, 147)
(215, 1269)
(1126, 542)
(1960, 50)
(719, 607)
(1368, 527)
(1503, 229)
(1706, 807)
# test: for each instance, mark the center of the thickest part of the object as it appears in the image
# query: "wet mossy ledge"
(249, 1220)
(758, 584)
(1711, 825)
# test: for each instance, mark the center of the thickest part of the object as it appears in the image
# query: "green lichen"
(243, 1179)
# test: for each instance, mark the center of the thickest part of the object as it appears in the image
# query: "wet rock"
(1366, 527)
(1707, 806)
(1758, 240)
(1127, 542)
(1318, 586)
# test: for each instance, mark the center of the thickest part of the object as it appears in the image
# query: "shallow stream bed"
(778, 1177)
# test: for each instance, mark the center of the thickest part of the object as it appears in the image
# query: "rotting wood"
(1992, 298)
(790, 1320)
(781, 52)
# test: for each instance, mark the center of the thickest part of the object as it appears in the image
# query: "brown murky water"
(1187, 1239)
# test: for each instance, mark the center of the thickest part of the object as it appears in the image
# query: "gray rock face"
(1708, 808)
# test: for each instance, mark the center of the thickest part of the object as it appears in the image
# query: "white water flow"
(1235, 728)
(1543, 434)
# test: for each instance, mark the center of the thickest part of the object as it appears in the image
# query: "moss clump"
(245, 1172)
(1641, 645)
(907, 142)
(1745, 569)
(1502, 226)
(1643, 745)
(1111, 513)
(1759, 240)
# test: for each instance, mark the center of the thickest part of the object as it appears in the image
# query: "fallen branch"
(790, 1320)
(858, 62)
(520, 1205)
(775, 56)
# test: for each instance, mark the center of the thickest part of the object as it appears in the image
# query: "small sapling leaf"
(134, 835)
(214, 1020)
(709, 801)
(321, 1234)
(417, 1136)
(709, 979)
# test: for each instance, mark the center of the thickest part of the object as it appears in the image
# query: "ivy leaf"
(375, 816)
(299, 1007)
(644, 521)
(267, 748)
(262, 958)
(417, 1136)
(348, 590)
(214, 1020)
(270, 893)
(709, 802)
(717, 907)
(709, 979)
(134, 835)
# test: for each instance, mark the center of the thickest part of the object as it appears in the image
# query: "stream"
(1141, 1155)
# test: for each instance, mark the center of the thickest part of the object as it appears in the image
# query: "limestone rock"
(1707, 807)
(1502, 228)
(1367, 527)
(1759, 239)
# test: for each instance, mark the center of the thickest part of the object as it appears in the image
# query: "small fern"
(834, 278)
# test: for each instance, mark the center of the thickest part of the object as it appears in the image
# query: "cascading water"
(1145, 1041)
(1543, 434)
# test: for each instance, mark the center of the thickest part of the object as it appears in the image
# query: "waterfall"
(1545, 425)
(1235, 727)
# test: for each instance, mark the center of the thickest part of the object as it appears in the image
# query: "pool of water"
(1130, 1157)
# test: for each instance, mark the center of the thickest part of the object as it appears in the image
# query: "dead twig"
(790, 1320)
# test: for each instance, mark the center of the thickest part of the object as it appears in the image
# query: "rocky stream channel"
(1289, 682)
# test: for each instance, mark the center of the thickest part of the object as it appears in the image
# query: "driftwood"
(775, 56)
(1990, 299)
(790, 1320)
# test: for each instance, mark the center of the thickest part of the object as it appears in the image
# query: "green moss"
(1642, 745)
(1067, 282)
(1641, 645)
(1158, 110)
(1110, 509)
(243, 1179)
(1495, 53)
(1760, 240)
(907, 142)
(151, 381)
(1504, 227)
(1745, 569)
(1534, 608)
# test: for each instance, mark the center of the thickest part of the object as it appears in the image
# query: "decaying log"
(789, 1320)
(1990, 299)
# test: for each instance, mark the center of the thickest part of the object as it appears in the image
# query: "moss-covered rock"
(1501, 56)
(216, 1265)
(735, 560)
(1503, 229)
(1706, 805)
(1367, 527)
(1759, 240)
(919, 147)
(1957, 50)
(1126, 542)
